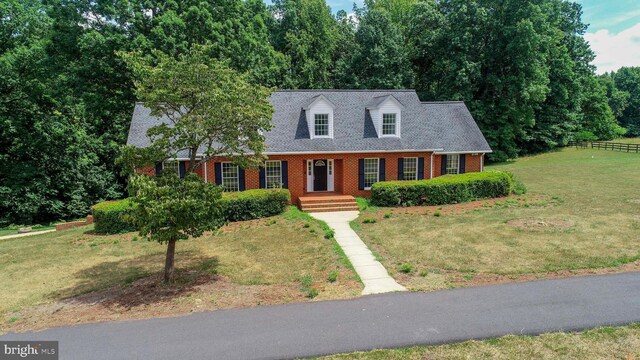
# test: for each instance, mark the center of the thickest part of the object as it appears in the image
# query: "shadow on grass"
(139, 281)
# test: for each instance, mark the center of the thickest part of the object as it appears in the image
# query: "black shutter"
(401, 169)
(241, 186)
(159, 169)
(443, 165)
(420, 168)
(263, 178)
(182, 169)
(285, 174)
(462, 166)
(361, 174)
(218, 171)
(381, 172)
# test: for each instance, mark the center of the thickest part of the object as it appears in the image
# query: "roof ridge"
(443, 102)
(345, 90)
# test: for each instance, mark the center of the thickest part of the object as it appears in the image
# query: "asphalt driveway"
(374, 321)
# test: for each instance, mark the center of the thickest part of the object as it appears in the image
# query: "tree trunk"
(168, 265)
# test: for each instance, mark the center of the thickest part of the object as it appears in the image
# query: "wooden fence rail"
(605, 145)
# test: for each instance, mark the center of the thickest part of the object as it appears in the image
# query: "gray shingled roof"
(441, 126)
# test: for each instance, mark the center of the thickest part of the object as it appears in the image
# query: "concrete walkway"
(7, 237)
(374, 276)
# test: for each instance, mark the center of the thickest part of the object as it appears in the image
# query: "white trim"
(350, 152)
(309, 171)
(318, 98)
(482, 163)
(377, 171)
(205, 172)
(463, 152)
(331, 171)
(222, 173)
(404, 164)
(266, 176)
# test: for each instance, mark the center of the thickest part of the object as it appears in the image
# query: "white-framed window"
(453, 164)
(410, 169)
(321, 124)
(371, 172)
(230, 177)
(273, 174)
(172, 166)
(389, 124)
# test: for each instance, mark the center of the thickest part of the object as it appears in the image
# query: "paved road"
(374, 321)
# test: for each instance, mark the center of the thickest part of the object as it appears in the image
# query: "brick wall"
(345, 167)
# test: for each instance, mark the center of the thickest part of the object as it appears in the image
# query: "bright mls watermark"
(39, 350)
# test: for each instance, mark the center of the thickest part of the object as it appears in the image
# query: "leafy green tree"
(597, 115)
(210, 109)
(618, 99)
(307, 33)
(167, 209)
(489, 54)
(627, 79)
(379, 59)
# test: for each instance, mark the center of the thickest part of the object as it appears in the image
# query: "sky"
(614, 31)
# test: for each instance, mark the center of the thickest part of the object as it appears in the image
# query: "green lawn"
(604, 343)
(281, 257)
(592, 195)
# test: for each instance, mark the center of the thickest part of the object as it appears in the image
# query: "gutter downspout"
(205, 171)
(482, 163)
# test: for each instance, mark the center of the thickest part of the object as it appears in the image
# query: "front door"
(319, 175)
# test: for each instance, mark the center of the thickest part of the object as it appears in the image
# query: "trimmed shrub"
(448, 189)
(255, 204)
(107, 217)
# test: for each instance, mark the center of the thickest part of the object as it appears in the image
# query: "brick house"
(330, 145)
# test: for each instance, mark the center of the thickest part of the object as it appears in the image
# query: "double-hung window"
(389, 124)
(273, 174)
(171, 167)
(230, 177)
(371, 172)
(410, 169)
(321, 124)
(453, 164)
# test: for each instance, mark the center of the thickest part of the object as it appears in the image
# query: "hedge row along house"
(328, 146)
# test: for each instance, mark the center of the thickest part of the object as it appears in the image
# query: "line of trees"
(66, 96)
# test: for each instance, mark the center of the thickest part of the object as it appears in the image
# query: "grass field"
(604, 343)
(588, 218)
(275, 260)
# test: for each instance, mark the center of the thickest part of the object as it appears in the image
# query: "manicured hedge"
(255, 204)
(448, 189)
(107, 217)
(239, 206)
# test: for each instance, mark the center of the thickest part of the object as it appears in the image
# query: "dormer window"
(386, 114)
(321, 125)
(389, 124)
(319, 114)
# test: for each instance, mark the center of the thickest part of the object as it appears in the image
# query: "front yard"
(581, 215)
(75, 276)
(604, 343)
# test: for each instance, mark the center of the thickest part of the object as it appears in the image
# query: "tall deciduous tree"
(628, 79)
(378, 59)
(307, 33)
(211, 110)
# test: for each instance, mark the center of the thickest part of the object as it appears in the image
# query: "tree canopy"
(66, 96)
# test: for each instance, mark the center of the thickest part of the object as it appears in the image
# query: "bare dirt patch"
(541, 224)
(150, 298)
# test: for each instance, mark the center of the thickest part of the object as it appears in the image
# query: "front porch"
(327, 201)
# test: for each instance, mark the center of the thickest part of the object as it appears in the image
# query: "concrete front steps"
(327, 203)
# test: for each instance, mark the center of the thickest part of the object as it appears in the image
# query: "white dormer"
(386, 113)
(319, 113)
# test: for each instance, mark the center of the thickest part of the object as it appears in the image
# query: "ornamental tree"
(167, 209)
(210, 109)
